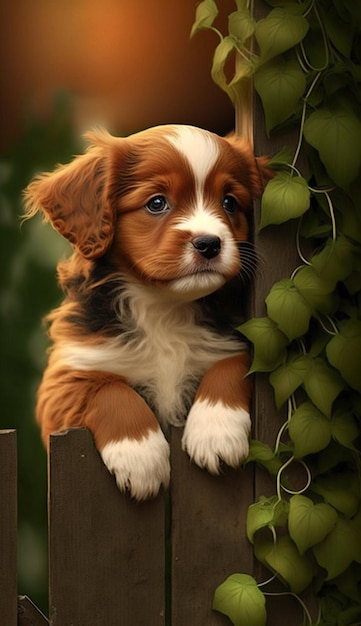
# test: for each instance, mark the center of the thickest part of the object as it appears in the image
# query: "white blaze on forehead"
(200, 149)
(203, 222)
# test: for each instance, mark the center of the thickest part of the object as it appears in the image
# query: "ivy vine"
(304, 60)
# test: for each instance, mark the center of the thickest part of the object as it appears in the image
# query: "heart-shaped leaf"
(344, 352)
(336, 135)
(339, 490)
(241, 25)
(262, 454)
(285, 197)
(288, 377)
(269, 343)
(241, 600)
(317, 291)
(335, 261)
(221, 54)
(309, 430)
(339, 548)
(344, 428)
(288, 309)
(284, 559)
(282, 29)
(309, 523)
(267, 512)
(206, 13)
(323, 385)
(280, 85)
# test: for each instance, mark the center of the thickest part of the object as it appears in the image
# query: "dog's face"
(167, 206)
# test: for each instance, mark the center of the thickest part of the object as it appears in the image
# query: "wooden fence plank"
(8, 527)
(29, 614)
(106, 551)
(208, 535)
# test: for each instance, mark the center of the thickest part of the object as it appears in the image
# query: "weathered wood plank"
(208, 535)
(8, 527)
(29, 614)
(106, 551)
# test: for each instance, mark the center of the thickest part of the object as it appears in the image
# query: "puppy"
(155, 220)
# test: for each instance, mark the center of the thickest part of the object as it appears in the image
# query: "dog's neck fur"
(163, 348)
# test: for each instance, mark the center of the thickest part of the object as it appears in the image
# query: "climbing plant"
(304, 60)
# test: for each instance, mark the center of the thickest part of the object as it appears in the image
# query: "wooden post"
(208, 535)
(8, 528)
(244, 112)
(106, 551)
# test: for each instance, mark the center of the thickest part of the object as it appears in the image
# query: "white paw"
(214, 433)
(141, 467)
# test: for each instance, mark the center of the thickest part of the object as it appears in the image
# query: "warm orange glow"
(128, 64)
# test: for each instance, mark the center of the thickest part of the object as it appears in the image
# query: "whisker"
(251, 261)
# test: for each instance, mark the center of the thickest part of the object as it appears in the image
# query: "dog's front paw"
(139, 466)
(215, 433)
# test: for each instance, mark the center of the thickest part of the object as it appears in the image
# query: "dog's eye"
(158, 204)
(229, 204)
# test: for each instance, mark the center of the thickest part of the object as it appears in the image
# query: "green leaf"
(335, 261)
(284, 559)
(339, 548)
(339, 490)
(316, 291)
(323, 385)
(280, 85)
(350, 222)
(241, 25)
(269, 343)
(344, 428)
(267, 512)
(309, 523)
(241, 600)
(344, 352)
(221, 54)
(285, 197)
(338, 31)
(288, 377)
(262, 454)
(336, 135)
(309, 430)
(206, 13)
(280, 30)
(288, 308)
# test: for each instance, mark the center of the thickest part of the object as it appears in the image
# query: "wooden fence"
(113, 561)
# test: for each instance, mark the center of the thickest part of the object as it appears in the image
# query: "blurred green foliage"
(28, 290)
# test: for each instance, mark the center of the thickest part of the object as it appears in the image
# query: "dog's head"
(167, 206)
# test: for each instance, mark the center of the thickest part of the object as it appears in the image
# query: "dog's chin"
(195, 286)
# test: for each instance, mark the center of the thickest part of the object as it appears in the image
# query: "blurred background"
(67, 65)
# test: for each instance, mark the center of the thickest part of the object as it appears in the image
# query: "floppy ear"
(255, 167)
(73, 198)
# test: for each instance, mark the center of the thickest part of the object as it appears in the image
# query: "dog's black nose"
(209, 247)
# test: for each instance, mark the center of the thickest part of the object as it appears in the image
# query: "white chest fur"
(162, 352)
